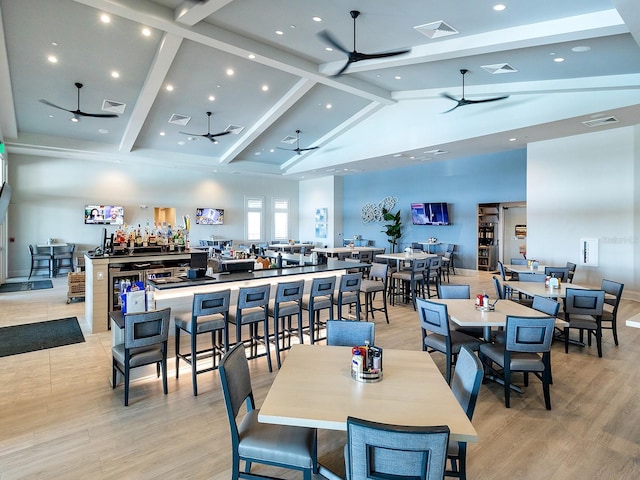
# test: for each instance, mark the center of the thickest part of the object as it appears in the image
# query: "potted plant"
(394, 229)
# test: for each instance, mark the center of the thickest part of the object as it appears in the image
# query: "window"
(255, 218)
(281, 219)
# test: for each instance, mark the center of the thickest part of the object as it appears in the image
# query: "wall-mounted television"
(209, 216)
(104, 215)
(435, 213)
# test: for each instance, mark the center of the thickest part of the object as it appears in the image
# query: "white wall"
(584, 187)
(321, 193)
(49, 195)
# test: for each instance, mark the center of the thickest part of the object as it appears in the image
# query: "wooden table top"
(314, 388)
(524, 269)
(539, 288)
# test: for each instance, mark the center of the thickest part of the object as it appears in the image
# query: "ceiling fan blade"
(450, 97)
(452, 109)
(95, 115)
(306, 149)
(487, 99)
(327, 37)
(342, 70)
(226, 132)
(193, 134)
(287, 149)
(46, 102)
(369, 56)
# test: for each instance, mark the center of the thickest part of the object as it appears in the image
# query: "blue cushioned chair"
(349, 333)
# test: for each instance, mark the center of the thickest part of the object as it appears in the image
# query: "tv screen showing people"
(209, 216)
(104, 214)
(430, 213)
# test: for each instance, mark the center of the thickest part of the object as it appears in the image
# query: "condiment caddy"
(366, 363)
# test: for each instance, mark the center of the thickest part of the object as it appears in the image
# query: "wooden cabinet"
(488, 223)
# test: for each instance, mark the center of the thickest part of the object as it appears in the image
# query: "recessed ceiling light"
(103, 130)
(104, 18)
(55, 44)
(398, 77)
(257, 153)
(558, 59)
(292, 26)
(397, 155)
(169, 88)
(52, 59)
(329, 105)
(581, 48)
(252, 56)
(211, 98)
(328, 49)
(181, 142)
(230, 71)
(317, 19)
(115, 74)
(512, 139)
(271, 150)
(279, 32)
(499, 7)
(162, 134)
(74, 119)
(146, 32)
(265, 88)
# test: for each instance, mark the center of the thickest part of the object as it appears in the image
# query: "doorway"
(514, 231)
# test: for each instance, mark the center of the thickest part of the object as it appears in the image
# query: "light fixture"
(169, 88)
(279, 32)
(103, 131)
(115, 74)
(581, 49)
(512, 139)
(74, 119)
(252, 56)
(317, 19)
(52, 59)
(398, 77)
(499, 7)
(162, 134)
(104, 18)
(329, 105)
(230, 71)
(328, 49)
(211, 98)
(146, 31)
(558, 59)
(265, 88)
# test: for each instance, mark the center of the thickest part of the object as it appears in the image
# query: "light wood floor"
(60, 419)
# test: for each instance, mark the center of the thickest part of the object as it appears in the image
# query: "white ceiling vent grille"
(178, 119)
(599, 122)
(499, 68)
(112, 106)
(436, 29)
(435, 152)
(289, 139)
(234, 129)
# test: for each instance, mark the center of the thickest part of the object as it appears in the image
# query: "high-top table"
(314, 388)
(52, 247)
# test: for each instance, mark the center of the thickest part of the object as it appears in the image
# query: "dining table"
(401, 257)
(314, 388)
(335, 251)
(539, 288)
(524, 268)
(52, 248)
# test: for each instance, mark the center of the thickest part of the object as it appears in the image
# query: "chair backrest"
(344, 255)
(529, 334)
(433, 316)
(379, 271)
(210, 303)
(466, 380)
(393, 452)
(434, 263)
(615, 289)
(417, 246)
(365, 257)
(144, 329)
(499, 288)
(249, 297)
(454, 291)
(503, 275)
(350, 282)
(559, 272)
(323, 287)
(289, 291)
(348, 333)
(584, 302)
(419, 265)
(518, 261)
(450, 247)
(235, 381)
(531, 277)
(545, 305)
(572, 271)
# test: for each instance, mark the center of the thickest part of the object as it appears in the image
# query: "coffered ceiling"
(263, 71)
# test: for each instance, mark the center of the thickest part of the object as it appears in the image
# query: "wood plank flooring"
(60, 418)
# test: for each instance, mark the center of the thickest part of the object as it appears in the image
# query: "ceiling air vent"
(112, 106)
(178, 119)
(234, 129)
(599, 122)
(499, 68)
(436, 151)
(289, 139)
(436, 29)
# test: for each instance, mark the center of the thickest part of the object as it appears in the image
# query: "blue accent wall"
(462, 183)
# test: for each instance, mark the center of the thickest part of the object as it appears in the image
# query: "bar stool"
(376, 282)
(348, 293)
(287, 303)
(37, 258)
(411, 278)
(252, 308)
(320, 297)
(209, 314)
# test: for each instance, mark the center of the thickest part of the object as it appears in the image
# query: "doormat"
(39, 336)
(25, 286)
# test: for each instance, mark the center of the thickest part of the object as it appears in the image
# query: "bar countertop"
(167, 283)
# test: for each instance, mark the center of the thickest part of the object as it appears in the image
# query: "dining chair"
(286, 304)
(349, 333)
(255, 442)
(348, 293)
(572, 271)
(320, 297)
(447, 266)
(38, 258)
(411, 279)
(251, 310)
(500, 289)
(609, 317)
(394, 452)
(560, 272)
(518, 261)
(526, 349)
(438, 336)
(459, 292)
(465, 386)
(63, 258)
(432, 274)
(145, 343)
(529, 277)
(209, 314)
(376, 282)
(583, 311)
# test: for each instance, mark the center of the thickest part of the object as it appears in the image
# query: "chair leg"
(177, 340)
(126, 385)
(194, 363)
(566, 340)
(546, 380)
(507, 385)
(599, 340)
(614, 329)
(164, 374)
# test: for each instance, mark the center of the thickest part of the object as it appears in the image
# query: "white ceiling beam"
(191, 12)
(289, 99)
(579, 27)
(160, 66)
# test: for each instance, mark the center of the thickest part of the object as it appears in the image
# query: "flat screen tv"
(435, 213)
(209, 216)
(104, 215)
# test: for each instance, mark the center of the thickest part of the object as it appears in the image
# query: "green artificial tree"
(393, 230)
